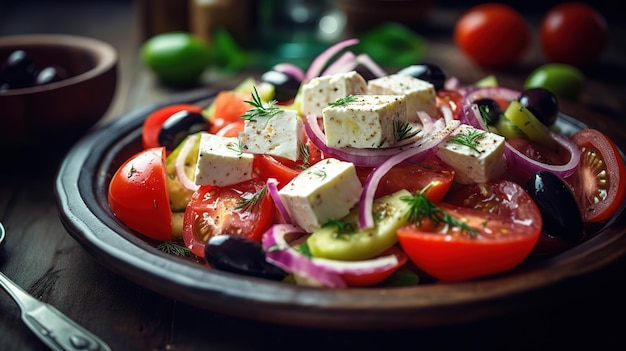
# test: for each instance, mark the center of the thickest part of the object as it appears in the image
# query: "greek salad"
(345, 175)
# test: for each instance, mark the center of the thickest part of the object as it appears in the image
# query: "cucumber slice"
(528, 124)
(390, 213)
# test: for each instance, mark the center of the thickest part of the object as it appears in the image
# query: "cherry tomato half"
(599, 180)
(492, 34)
(153, 123)
(573, 33)
(138, 194)
(244, 209)
(507, 224)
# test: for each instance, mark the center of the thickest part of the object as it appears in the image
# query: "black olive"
(237, 254)
(285, 86)
(559, 208)
(179, 125)
(50, 74)
(18, 71)
(542, 103)
(428, 72)
(490, 110)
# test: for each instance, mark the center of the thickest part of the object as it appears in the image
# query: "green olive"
(176, 57)
(343, 240)
(562, 80)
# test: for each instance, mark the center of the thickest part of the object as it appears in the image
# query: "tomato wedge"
(362, 280)
(229, 105)
(244, 209)
(153, 123)
(414, 177)
(506, 223)
(285, 170)
(598, 181)
(138, 194)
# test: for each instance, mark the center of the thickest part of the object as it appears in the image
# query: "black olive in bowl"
(236, 254)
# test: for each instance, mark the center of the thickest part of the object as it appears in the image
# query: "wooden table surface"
(45, 260)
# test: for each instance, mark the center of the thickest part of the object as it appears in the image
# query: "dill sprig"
(468, 138)
(403, 130)
(174, 249)
(305, 152)
(259, 109)
(252, 202)
(343, 227)
(235, 147)
(342, 101)
(420, 207)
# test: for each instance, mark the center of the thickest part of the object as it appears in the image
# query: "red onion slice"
(272, 186)
(371, 65)
(325, 272)
(291, 70)
(517, 159)
(360, 157)
(366, 218)
(345, 63)
(179, 164)
(316, 67)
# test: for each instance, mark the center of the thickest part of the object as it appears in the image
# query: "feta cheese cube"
(420, 94)
(220, 161)
(482, 162)
(319, 91)
(369, 121)
(278, 135)
(328, 189)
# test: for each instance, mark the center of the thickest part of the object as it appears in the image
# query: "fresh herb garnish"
(484, 113)
(236, 147)
(420, 207)
(305, 152)
(259, 109)
(468, 138)
(342, 101)
(174, 249)
(131, 171)
(321, 174)
(403, 130)
(252, 202)
(343, 227)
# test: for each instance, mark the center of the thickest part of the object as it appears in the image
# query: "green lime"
(176, 57)
(561, 79)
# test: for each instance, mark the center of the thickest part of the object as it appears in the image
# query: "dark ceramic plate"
(81, 190)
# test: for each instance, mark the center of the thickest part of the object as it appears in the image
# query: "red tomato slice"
(507, 223)
(452, 98)
(414, 177)
(138, 194)
(216, 210)
(370, 279)
(599, 180)
(228, 107)
(285, 170)
(154, 121)
(232, 129)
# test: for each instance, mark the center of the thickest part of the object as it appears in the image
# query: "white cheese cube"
(369, 121)
(278, 135)
(221, 162)
(328, 189)
(319, 91)
(420, 94)
(483, 162)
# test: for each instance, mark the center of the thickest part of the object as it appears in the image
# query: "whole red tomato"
(574, 33)
(492, 35)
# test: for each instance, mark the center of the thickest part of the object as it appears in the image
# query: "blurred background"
(256, 34)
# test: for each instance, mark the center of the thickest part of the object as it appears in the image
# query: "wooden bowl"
(57, 113)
